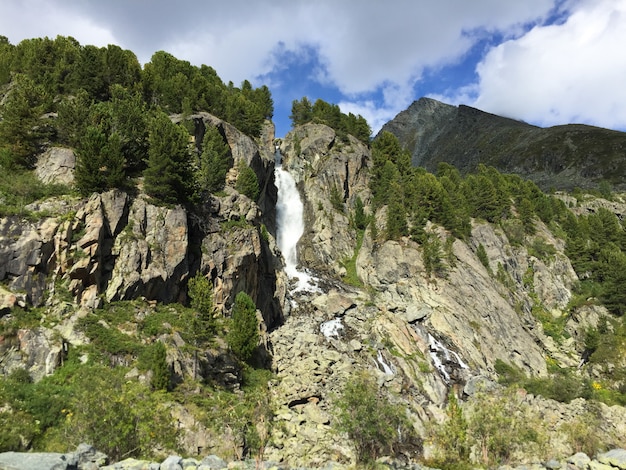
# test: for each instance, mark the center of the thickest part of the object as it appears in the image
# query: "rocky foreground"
(87, 458)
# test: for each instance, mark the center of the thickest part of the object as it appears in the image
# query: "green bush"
(563, 387)
(33, 408)
(155, 359)
(119, 417)
(451, 439)
(582, 431)
(18, 188)
(243, 334)
(487, 430)
(375, 426)
(500, 425)
(200, 290)
(336, 199)
(352, 277)
(508, 374)
(247, 182)
(108, 338)
(542, 250)
(245, 417)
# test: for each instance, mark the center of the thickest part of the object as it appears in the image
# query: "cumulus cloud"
(370, 52)
(39, 18)
(560, 73)
(363, 43)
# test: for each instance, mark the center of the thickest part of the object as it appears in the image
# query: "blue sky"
(546, 62)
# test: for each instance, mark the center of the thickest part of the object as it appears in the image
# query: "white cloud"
(550, 74)
(395, 97)
(364, 48)
(375, 115)
(364, 43)
(570, 72)
(39, 18)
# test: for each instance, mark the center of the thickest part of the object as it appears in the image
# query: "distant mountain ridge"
(560, 157)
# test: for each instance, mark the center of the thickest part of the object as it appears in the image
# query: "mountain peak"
(561, 157)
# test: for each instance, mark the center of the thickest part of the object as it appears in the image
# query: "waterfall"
(387, 369)
(290, 225)
(443, 358)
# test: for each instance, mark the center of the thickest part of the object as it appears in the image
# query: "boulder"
(88, 457)
(35, 461)
(333, 304)
(173, 462)
(213, 462)
(56, 165)
(579, 460)
(8, 300)
(38, 350)
(132, 464)
(115, 210)
(615, 458)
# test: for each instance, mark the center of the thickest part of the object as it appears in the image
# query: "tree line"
(115, 113)
(595, 243)
(303, 111)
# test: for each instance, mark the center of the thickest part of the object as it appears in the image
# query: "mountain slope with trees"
(560, 157)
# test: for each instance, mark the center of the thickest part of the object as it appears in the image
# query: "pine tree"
(432, 255)
(301, 112)
(614, 294)
(6, 57)
(360, 218)
(380, 183)
(247, 182)
(160, 371)
(168, 177)
(215, 161)
(73, 117)
(87, 175)
(100, 165)
(526, 215)
(388, 160)
(482, 196)
(20, 129)
(91, 72)
(397, 226)
(129, 120)
(244, 114)
(262, 97)
(200, 291)
(481, 253)
(243, 336)
(115, 163)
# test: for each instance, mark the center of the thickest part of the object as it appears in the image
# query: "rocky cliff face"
(112, 246)
(326, 167)
(421, 336)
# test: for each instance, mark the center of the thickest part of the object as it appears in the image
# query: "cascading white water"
(387, 369)
(290, 224)
(442, 356)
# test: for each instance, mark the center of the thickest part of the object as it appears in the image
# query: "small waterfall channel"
(290, 225)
